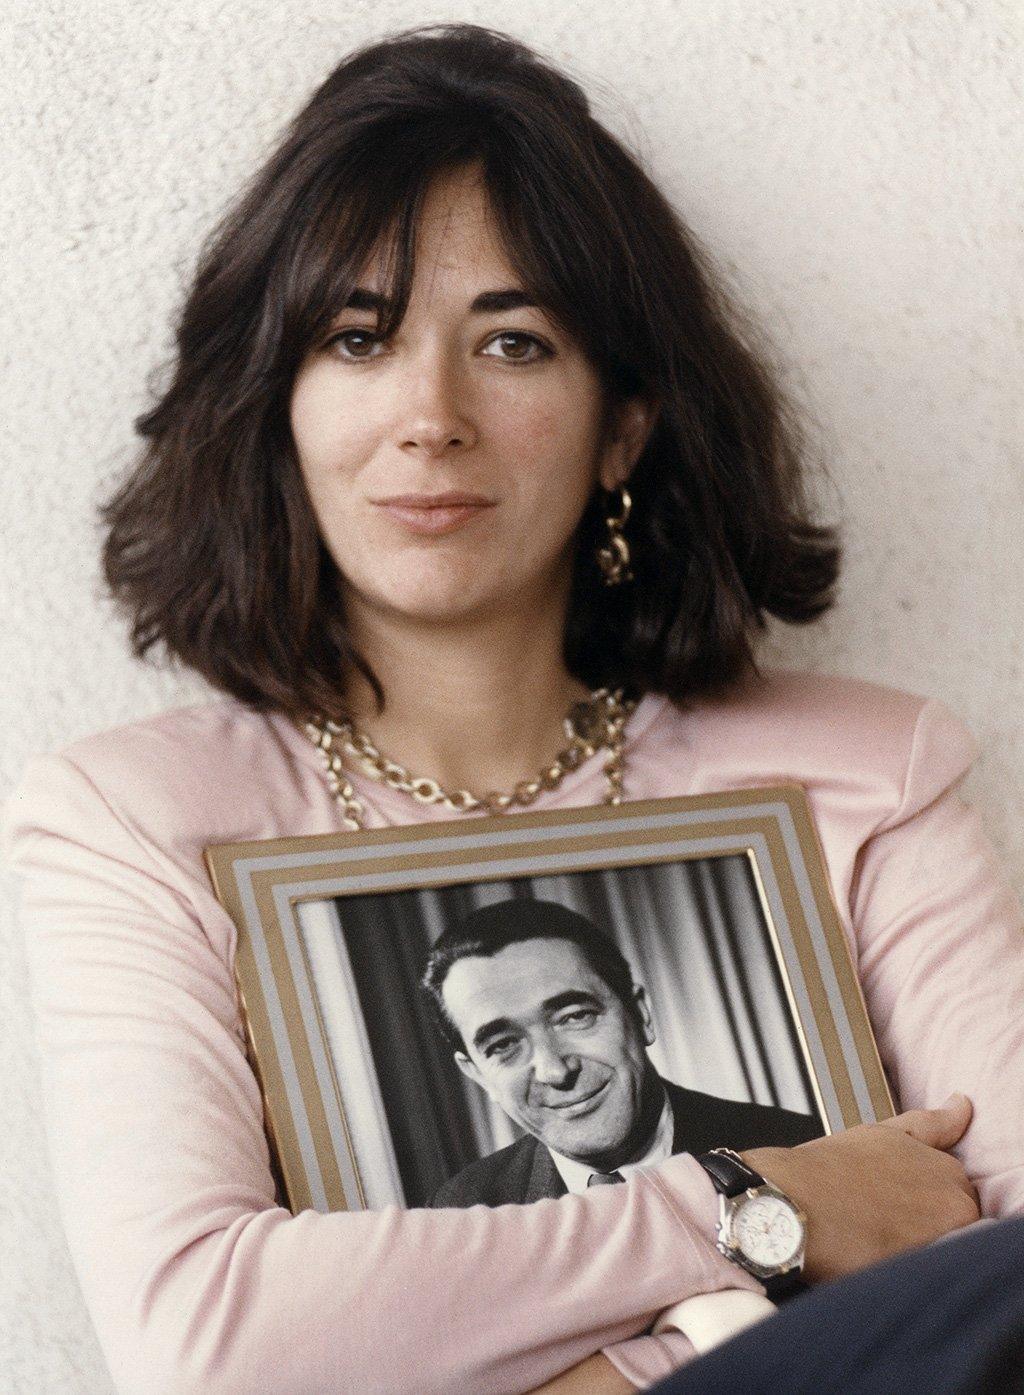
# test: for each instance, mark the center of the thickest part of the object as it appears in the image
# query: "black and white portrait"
(511, 1040)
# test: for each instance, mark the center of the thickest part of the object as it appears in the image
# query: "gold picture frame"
(304, 1005)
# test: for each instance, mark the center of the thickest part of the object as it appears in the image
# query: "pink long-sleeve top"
(198, 1281)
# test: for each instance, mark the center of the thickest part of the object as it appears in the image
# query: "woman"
(461, 437)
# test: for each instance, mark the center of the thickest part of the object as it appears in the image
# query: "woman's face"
(448, 467)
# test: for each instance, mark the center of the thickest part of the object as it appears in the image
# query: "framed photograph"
(503, 1008)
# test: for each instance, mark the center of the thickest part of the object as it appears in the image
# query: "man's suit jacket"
(525, 1170)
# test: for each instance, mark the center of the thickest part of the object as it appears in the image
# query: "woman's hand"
(595, 1376)
(876, 1189)
(868, 1193)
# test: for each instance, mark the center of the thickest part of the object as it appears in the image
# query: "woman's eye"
(357, 343)
(514, 347)
(518, 348)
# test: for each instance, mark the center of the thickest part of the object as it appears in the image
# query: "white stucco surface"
(856, 167)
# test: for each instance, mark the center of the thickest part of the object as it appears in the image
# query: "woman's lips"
(432, 515)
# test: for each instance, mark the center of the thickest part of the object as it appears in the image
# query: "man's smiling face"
(554, 1045)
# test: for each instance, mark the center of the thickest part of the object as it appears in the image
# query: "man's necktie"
(604, 1179)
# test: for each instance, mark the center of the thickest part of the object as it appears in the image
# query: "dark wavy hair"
(491, 928)
(211, 546)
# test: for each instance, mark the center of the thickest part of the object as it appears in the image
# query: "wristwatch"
(759, 1228)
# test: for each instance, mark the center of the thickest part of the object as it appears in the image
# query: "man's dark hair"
(212, 547)
(491, 928)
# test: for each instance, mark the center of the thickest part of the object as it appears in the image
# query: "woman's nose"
(434, 417)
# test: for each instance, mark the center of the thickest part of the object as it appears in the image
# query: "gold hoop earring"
(613, 558)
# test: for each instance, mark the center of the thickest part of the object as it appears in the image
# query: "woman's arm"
(595, 1376)
(939, 943)
(938, 938)
(195, 1278)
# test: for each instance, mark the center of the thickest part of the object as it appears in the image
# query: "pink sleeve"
(195, 1279)
(941, 959)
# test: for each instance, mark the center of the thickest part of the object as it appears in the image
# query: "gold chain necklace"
(596, 723)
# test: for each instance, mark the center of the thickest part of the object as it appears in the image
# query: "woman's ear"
(631, 426)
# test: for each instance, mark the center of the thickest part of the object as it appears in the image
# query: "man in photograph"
(543, 1014)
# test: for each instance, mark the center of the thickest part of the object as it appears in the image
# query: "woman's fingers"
(939, 1128)
(876, 1189)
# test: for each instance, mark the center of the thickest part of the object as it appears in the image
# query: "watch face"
(767, 1231)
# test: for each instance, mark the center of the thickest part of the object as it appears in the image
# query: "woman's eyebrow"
(487, 302)
(511, 299)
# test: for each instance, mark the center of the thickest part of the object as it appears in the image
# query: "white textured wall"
(854, 165)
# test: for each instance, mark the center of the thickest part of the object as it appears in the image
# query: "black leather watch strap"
(729, 1172)
(780, 1287)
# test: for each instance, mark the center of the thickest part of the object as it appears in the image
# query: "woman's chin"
(448, 605)
(451, 591)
